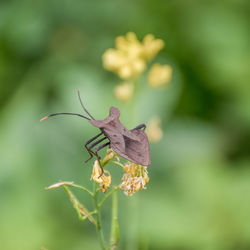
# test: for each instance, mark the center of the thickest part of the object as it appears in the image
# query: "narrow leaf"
(82, 212)
(68, 183)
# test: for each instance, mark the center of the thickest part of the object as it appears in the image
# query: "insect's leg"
(92, 139)
(143, 126)
(98, 157)
(92, 145)
(89, 141)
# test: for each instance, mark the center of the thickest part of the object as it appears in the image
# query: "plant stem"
(98, 218)
(107, 195)
(114, 232)
(83, 188)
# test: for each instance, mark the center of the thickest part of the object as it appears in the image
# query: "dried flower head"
(128, 60)
(154, 130)
(124, 91)
(159, 75)
(134, 179)
(110, 155)
(102, 179)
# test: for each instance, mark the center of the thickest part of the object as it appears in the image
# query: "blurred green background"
(198, 196)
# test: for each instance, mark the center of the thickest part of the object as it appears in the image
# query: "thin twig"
(83, 188)
(114, 232)
(117, 163)
(107, 195)
(98, 218)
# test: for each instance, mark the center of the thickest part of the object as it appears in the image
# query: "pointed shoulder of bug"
(114, 115)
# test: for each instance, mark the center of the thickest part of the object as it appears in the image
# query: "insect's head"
(85, 117)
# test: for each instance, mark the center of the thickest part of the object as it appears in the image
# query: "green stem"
(107, 195)
(98, 218)
(117, 163)
(83, 188)
(114, 233)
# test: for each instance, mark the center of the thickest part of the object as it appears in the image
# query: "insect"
(130, 144)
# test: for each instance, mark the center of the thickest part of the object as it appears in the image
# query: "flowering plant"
(133, 180)
(128, 60)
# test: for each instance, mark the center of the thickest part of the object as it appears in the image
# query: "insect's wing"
(138, 151)
(134, 150)
(117, 142)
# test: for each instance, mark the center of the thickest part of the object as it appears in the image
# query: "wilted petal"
(101, 178)
(110, 155)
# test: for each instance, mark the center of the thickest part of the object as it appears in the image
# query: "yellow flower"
(129, 43)
(154, 130)
(124, 91)
(125, 60)
(102, 179)
(128, 60)
(151, 46)
(134, 179)
(159, 75)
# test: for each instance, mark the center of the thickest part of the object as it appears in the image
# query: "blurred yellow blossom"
(154, 130)
(159, 75)
(124, 91)
(128, 60)
(134, 179)
(101, 178)
(151, 46)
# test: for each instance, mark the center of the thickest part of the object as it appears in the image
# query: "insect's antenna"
(64, 114)
(78, 92)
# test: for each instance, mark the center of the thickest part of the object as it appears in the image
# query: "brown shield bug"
(130, 144)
